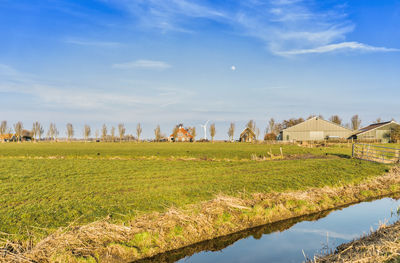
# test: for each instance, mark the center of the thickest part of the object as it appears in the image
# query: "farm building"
(247, 135)
(315, 129)
(376, 132)
(182, 135)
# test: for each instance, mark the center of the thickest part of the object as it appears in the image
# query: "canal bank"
(156, 233)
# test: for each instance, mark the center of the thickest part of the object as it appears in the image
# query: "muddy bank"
(156, 233)
(382, 245)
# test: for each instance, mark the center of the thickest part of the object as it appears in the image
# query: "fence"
(376, 153)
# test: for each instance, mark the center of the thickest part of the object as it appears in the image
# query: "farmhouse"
(376, 132)
(315, 129)
(247, 135)
(182, 135)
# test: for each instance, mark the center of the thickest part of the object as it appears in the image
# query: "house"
(376, 132)
(7, 137)
(182, 135)
(26, 135)
(315, 129)
(247, 135)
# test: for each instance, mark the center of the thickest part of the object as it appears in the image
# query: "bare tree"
(271, 126)
(138, 131)
(18, 127)
(121, 131)
(40, 131)
(378, 120)
(192, 131)
(3, 128)
(96, 134)
(52, 133)
(113, 134)
(36, 128)
(86, 132)
(251, 125)
(212, 131)
(231, 131)
(336, 119)
(70, 131)
(104, 133)
(157, 133)
(355, 122)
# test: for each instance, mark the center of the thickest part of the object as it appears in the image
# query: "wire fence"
(376, 153)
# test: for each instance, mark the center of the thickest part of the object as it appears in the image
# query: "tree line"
(119, 133)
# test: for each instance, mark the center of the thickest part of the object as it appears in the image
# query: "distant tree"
(395, 134)
(192, 131)
(231, 131)
(271, 126)
(212, 131)
(291, 122)
(257, 132)
(104, 132)
(348, 126)
(251, 125)
(70, 131)
(138, 131)
(355, 122)
(40, 131)
(157, 133)
(121, 131)
(52, 133)
(96, 134)
(113, 134)
(378, 120)
(86, 132)
(37, 130)
(270, 137)
(336, 119)
(18, 127)
(3, 128)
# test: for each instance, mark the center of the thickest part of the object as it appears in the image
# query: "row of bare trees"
(272, 130)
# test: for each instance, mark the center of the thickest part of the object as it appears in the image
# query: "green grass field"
(44, 186)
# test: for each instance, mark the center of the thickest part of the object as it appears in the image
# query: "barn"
(376, 132)
(315, 129)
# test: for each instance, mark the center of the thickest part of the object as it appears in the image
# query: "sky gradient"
(186, 61)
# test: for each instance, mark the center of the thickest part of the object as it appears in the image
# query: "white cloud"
(81, 42)
(339, 47)
(143, 64)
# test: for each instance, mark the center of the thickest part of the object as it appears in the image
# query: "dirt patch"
(155, 233)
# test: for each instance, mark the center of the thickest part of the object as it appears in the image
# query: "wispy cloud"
(168, 15)
(287, 27)
(82, 42)
(59, 95)
(339, 47)
(143, 64)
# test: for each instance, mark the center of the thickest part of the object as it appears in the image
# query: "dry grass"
(382, 245)
(154, 233)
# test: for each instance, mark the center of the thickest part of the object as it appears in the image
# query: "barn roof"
(373, 127)
(316, 118)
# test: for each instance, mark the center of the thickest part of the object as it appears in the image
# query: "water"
(287, 240)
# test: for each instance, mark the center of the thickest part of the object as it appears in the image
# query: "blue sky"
(171, 61)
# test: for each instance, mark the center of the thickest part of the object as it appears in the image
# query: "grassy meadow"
(44, 186)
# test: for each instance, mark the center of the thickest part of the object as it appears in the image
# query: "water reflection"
(289, 240)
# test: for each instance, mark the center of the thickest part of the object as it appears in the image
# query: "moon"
(233, 68)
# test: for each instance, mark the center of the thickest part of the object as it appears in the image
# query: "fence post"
(352, 152)
(397, 154)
